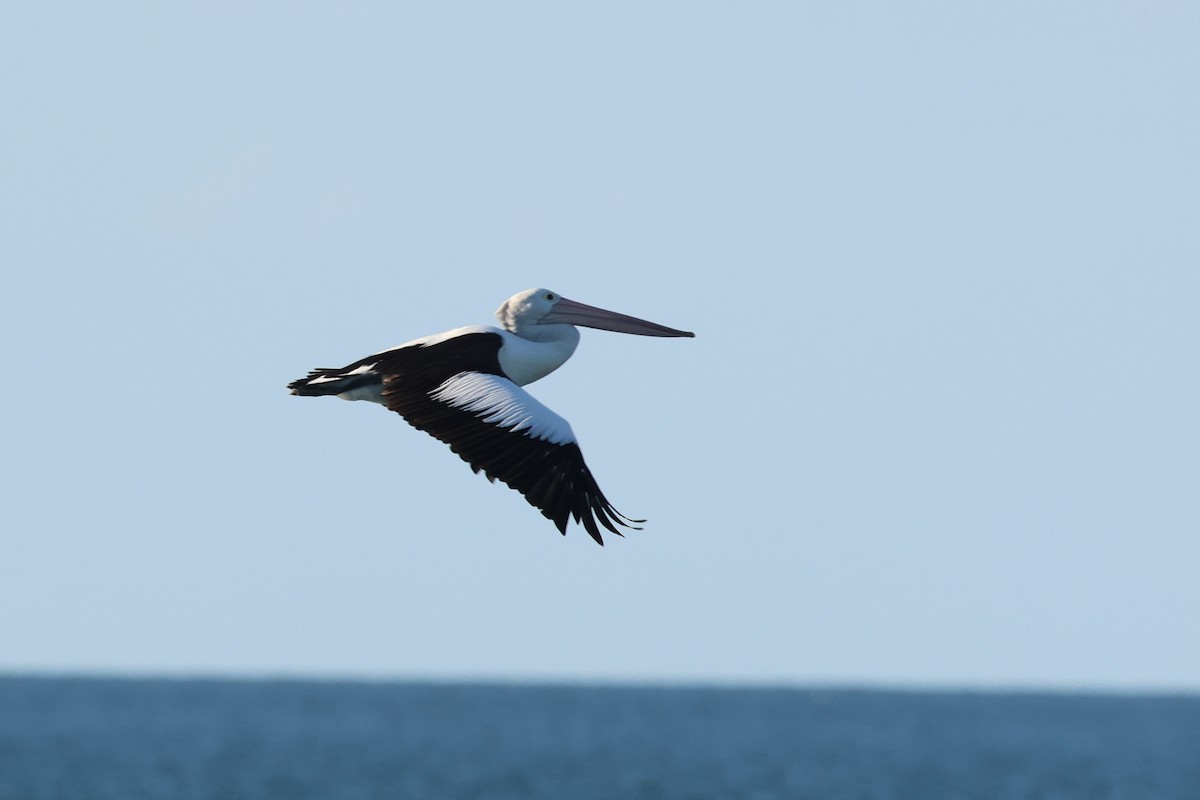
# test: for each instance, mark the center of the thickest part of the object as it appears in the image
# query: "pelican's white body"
(523, 360)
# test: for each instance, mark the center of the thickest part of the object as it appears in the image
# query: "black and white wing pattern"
(456, 391)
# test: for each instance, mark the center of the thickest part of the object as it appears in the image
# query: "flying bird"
(463, 387)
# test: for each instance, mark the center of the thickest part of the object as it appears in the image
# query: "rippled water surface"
(119, 739)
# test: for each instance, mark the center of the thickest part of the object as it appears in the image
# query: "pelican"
(463, 387)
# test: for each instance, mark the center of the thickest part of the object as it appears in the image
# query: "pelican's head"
(524, 313)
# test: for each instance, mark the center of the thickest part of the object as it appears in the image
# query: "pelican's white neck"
(525, 360)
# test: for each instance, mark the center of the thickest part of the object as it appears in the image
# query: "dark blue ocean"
(122, 739)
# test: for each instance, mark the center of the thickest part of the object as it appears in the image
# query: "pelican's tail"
(354, 386)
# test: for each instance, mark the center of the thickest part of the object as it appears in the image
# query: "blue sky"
(938, 425)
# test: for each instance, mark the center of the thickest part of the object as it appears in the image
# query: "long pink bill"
(574, 313)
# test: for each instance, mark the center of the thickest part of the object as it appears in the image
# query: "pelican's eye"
(549, 295)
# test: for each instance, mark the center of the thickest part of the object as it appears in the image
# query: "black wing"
(456, 391)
